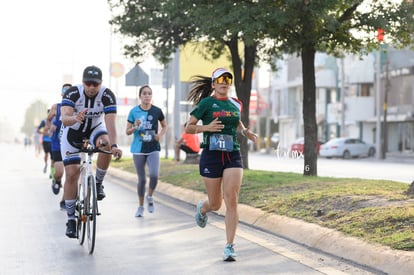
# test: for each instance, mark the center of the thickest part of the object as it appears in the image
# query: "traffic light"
(380, 35)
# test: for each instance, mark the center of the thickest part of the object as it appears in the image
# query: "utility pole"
(268, 134)
(378, 104)
(177, 126)
(343, 132)
(380, 38)
(167, 80)
(385, 110)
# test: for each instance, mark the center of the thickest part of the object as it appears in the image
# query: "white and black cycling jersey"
(103, 103)
(93, 126)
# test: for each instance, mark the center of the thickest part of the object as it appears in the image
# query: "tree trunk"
(309, 111)
(243, 84)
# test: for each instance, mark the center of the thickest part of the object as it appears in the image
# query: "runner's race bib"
(221, 142)
(148, 136)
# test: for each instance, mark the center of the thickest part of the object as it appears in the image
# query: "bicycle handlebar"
(88, 148)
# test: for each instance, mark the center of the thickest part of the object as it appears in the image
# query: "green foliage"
(162, 26)
(270, 27)
(153, 26)
(33, 116)
(340, 25)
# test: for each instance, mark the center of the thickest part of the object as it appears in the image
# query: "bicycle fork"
(80, 203)
(89, 174)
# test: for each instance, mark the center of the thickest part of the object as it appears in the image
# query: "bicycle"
(86, 208)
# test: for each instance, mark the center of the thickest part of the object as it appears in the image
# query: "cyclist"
(54, 122)
(88, 111)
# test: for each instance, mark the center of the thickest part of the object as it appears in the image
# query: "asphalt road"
(32, 236)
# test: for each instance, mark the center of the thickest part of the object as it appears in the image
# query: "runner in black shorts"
(54, 122)
(220, 163)
(44, 131)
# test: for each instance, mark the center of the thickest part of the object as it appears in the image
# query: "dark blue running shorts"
(213, 163)
(56, 156)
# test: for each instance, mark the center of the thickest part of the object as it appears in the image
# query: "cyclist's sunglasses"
(224, 79)
(91, 83)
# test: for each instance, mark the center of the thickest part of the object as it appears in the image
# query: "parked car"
(346, 148)
(298, 146)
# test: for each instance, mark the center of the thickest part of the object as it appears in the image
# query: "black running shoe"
(62, 205)
(100, 191)
(55, 187)
(71, 229)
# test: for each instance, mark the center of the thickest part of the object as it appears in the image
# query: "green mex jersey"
(227, 110)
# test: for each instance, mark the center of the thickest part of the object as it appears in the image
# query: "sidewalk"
(330, 241)
(406, 157)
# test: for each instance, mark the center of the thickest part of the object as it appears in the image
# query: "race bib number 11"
(221, 142)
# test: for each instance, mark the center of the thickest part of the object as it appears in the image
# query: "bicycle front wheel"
(91, 210)
(80, 211)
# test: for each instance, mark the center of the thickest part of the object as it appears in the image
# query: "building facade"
(355, 112)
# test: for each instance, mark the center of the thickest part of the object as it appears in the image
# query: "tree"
(160, 27)
(334, 27)
(34, 114)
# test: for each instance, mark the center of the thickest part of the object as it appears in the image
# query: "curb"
(327, 240)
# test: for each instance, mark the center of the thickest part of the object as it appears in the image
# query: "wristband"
(243, 132)
(114, 145)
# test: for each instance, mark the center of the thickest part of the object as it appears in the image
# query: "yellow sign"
(192, 61)
(117, 69)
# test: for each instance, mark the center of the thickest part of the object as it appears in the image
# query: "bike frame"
(86, 202)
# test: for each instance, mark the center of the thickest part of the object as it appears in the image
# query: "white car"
(346, 148)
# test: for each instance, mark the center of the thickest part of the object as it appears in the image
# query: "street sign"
(167, 76)
(136, 77)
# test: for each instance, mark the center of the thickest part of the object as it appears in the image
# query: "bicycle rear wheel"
(80, 211)
(91, 210)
